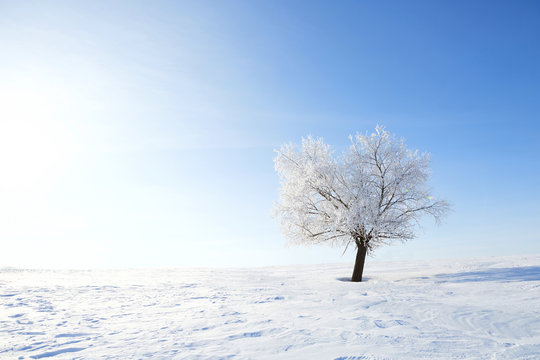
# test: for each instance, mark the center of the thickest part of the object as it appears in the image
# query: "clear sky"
(141, 133)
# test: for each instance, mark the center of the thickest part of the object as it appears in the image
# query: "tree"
(373, 194)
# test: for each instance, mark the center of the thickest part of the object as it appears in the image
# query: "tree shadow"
(348, 279)
(526, 273)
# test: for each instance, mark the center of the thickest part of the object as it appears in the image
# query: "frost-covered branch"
(375, 192)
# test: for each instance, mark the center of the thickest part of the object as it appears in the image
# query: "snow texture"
(464, 309)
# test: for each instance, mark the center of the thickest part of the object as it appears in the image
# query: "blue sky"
(141, 134)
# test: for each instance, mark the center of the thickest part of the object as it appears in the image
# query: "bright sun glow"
(36, 149)
(35, 144)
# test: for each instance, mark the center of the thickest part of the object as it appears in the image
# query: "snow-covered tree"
(373, 194)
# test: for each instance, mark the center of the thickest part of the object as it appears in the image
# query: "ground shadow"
(348, 279)
(526, 273)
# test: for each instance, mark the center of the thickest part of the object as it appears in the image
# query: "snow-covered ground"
(464, 309)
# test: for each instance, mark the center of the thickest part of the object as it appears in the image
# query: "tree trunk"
(359, 264)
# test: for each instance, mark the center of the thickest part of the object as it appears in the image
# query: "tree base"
(359, 264)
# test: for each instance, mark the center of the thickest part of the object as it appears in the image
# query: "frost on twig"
(373, 194)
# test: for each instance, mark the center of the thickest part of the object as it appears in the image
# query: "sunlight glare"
(35, 143)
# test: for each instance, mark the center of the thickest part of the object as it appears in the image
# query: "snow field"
(463, 309)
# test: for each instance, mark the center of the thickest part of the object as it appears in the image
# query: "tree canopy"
(372, 194)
